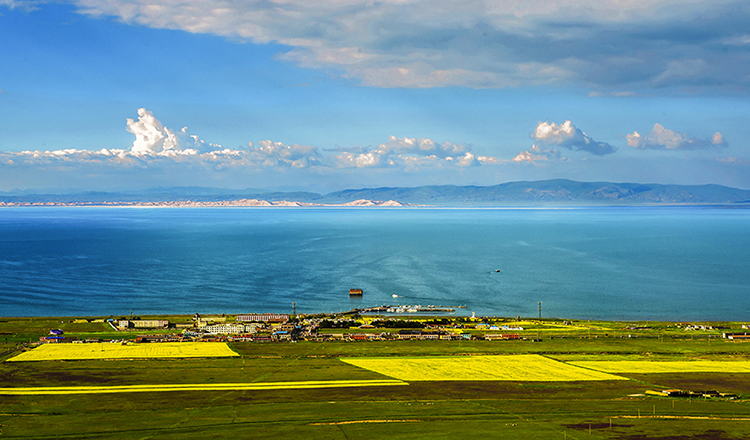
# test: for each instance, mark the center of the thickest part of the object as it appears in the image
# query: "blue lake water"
(665, 263)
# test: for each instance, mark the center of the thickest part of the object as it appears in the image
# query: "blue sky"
(325, 95)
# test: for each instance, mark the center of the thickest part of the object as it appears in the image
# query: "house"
(262, 338)
(408, 334)
(676, 393)
(143, 323)
(52, 339)
(736, 336)
(263, 317)
(229, 329)
(502, 337)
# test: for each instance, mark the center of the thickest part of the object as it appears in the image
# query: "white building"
(230, 329)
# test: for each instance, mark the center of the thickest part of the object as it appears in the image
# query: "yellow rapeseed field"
(511, 368)
(55, 352)
(666, 366)
(197, 387)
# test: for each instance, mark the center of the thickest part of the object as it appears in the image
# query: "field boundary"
(198, 387)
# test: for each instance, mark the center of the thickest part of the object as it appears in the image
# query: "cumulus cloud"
(159, 149)
(151, 137)
(536, 154)
(410, 152)
(156, 145)
(566, 135)
(422, 147)
(660, 138)
(603, 44)
(277, 154)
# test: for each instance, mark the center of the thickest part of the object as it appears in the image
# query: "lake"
(630, 263)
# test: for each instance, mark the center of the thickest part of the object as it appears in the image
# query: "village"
(272, 327)
(352, 326)
(379, 366)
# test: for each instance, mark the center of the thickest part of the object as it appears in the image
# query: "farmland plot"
(56, 352)
(645, 367)
(508, 368)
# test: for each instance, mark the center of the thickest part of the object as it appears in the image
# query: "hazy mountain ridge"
(546, 192)
(552, 192)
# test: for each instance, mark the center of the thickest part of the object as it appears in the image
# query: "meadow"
(186, 398)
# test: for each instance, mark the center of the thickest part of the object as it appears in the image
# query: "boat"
(355, 292)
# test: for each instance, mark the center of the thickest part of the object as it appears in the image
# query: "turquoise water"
(665, 263)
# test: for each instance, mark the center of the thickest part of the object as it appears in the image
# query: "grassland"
(523, 368)
(58, 352)
(433, 409)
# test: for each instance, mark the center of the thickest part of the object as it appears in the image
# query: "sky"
(322, 95)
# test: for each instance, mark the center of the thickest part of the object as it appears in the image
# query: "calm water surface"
(663, 263)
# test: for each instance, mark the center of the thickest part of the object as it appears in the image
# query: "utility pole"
(540, 310)
(539, 330)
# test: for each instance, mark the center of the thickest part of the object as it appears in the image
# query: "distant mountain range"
(539, 193)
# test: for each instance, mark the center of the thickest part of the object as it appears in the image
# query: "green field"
(279, 390)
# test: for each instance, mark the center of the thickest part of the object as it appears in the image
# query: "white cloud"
(536, 154)
(277, 154)
(612, 94)
(152, 137)
(741, 40)
(411, 152)
(467, 160)
(683, 70)
(731, 160)
(421, 147)
(26, 5)
(566, 135)
(474, 43)
(660, 138)
(157, 147)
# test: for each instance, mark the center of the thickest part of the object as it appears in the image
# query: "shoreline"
(241, 203)
(372, 315)
(257, 203)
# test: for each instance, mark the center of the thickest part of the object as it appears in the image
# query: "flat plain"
(480, 408)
